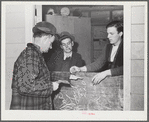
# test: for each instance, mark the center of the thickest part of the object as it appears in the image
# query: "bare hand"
(74, 69)
(100, 76)
(55, 86)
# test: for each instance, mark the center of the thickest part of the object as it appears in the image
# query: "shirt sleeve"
(98, 64)
(28, 82)
(60, 75)
(117, 71)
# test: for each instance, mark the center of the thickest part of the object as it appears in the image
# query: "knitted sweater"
(57, 63)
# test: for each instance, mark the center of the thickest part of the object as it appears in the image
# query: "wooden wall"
(80, 28)
(100, 16)
(15, 42)
(137, 57)
(18, 24)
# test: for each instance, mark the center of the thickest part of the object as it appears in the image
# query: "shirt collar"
(33, 45)
(117, 44)
(67, 55)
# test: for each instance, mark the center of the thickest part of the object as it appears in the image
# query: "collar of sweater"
(67, 55)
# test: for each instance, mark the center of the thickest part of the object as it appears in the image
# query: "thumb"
(55, 86)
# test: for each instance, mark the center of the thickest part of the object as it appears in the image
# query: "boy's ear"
(121, 33)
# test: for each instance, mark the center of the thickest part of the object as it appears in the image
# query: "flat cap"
(65, 35)
(45, 27)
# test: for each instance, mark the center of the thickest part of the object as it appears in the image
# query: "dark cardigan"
(56, 62)
(102, 62)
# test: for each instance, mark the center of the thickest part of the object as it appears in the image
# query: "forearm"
(59, 75)
(44, 86)
(34, 87)
(95, 66)
(83, 69)
(92, 67)
(107, 72)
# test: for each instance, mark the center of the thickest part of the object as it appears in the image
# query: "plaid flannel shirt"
(31, 85)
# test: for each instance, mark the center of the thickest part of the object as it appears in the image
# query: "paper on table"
(63, 81)
(74, 77)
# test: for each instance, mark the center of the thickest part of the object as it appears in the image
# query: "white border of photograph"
(78, 115)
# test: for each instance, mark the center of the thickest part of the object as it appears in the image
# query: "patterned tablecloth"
(82, 95)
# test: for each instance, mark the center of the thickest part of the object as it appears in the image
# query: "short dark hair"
(117, 24)
(40, 34)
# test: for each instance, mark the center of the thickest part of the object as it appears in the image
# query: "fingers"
(55, 86)
(74, 69)
(96, 79)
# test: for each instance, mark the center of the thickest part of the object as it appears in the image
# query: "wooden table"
(108, 95)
